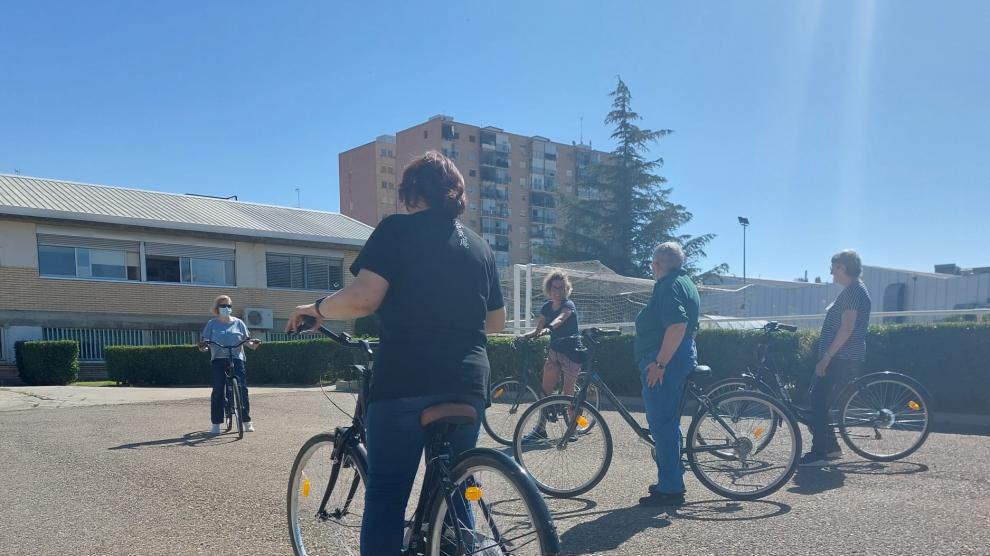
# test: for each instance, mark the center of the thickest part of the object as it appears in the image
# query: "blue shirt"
(225, 333)
(853, 297)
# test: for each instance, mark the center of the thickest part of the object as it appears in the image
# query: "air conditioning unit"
(258, 318)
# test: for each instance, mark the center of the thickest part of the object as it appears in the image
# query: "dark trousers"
(824, 389)
(395, 448)
(217, 397)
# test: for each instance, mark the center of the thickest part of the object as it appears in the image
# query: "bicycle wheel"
(510, 398)
(336, 528)
(885, 417)
(724, 446)
(560, 467)
(496, 510)
(237, 409)
(594, 399)
(726, 385)
(228, 402)
(737, 384)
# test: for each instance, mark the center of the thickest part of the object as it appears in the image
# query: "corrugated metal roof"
(46, 198)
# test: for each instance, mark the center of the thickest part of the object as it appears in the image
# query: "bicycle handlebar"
(774, 326)
(342, 338)
(239, 344)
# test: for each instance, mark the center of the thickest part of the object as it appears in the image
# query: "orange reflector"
(758, 433)
(498, 393)
(305, 489)
(473, 494)
(582, 421)
(914, 405)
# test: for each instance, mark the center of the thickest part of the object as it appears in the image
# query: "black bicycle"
(881, 416)
(728, 445)
(232, 403)
(480, 502)
(511, 396)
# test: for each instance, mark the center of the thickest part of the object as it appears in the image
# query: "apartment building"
(110, 265)
(514, 182)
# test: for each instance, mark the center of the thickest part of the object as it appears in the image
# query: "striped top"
(853, 297)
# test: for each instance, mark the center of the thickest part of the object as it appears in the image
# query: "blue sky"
(829, 123)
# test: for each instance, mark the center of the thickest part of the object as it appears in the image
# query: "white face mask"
(226, 311)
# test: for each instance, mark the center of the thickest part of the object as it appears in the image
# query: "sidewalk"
(20, 398)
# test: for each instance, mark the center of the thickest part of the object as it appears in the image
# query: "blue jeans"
(395, 446)
(219, 379)
(663, 401)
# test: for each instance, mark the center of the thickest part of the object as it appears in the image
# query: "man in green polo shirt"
(666, 354)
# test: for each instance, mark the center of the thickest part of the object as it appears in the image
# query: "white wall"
(18, 244)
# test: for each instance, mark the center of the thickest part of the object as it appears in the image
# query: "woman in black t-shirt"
(435, 286)
(558, 318)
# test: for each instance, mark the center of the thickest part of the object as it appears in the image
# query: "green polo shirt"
(675, 299)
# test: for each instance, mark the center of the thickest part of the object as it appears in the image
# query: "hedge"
(951, 359)
(47, 362)
(292, 362)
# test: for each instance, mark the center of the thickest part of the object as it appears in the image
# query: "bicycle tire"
(513, 393)
(790, 446)
(585, 450)
(492, 472)
(340, 533)
(228, 401)
(238, 410)
(915, 398)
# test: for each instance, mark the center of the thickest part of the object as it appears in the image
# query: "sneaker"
(813, 459)
(662, 499)
(536, 435)
(249, 426)
(215, 429)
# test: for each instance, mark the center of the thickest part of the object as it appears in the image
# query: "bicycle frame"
(592, 377)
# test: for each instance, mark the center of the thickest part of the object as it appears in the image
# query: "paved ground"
(144, 479)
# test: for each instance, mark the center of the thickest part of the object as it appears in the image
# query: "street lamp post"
(745, 223)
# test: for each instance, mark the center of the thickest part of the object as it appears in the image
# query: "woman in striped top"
(841, 352)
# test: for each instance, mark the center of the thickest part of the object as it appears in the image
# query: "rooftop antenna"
(17, 171)
(298, 201)
(582, 130)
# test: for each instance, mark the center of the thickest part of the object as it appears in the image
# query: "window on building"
(304, 272)
(472, 173)
(189, 264)
(471, 138)
(384, 152)
(95, 258)
(426, 134)
(471, 156)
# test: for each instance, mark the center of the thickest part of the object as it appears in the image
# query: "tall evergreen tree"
(623, 209)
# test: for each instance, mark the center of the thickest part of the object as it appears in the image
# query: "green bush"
(506, 361)
(292, 362)
(47, 362)
(951, 360)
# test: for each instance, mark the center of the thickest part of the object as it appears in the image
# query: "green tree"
(622, 209)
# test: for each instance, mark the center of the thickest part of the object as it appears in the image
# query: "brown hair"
(433, 179)
(850, 260)
(216, 303)
(553, 277)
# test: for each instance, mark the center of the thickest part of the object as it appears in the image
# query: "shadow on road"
(815, 480)
(608, 531)
(191, 439)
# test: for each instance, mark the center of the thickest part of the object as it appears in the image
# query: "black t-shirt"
(442, 283)
(564, 339)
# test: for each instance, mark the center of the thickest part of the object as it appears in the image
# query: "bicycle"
(511, 396)
(725, 445)
(232, 402)
(882, 416)
(480, 502)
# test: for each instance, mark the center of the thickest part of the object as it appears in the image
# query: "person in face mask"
(227, 330)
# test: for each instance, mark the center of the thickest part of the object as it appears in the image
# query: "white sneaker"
(215, 430)
(249, 426)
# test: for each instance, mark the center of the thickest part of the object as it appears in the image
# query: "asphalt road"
(145, 479)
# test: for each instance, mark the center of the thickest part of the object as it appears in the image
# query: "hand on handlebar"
(202, 346)
(303, 318)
